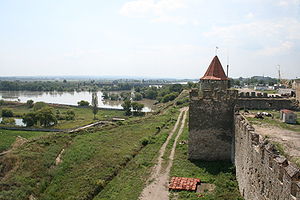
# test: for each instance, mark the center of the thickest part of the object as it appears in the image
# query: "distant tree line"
(255, 80)
(91, 85)
(162, 94)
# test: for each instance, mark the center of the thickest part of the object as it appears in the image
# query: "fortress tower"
(211, 134)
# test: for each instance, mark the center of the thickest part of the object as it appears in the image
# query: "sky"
(149, 38)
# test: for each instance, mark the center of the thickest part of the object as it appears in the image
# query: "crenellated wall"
(261, 172)
(267, 103)
(261, 101)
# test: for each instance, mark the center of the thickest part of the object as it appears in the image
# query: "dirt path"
(158, 187)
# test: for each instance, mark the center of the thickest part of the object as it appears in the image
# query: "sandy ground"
(289, 139)
(159, 179)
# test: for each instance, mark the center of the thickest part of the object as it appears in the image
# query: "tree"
(137, 108)
(127, 107)
(169, 97)
(94, 104)
(83, 103)
(2, 102)
(151, 93)
(175, 88)
(30, 119)
(105, 95)
(29, 103)
(7, 113)
(46, 117)
(125, 95)
(137, 96)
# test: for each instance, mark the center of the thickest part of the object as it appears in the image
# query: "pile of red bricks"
(181, 183)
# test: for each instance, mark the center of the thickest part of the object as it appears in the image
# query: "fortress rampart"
(261, 172)
(211, 124)
(261, 101)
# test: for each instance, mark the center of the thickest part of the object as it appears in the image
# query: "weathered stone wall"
(262, 174)
(211, 126)
(267, 103)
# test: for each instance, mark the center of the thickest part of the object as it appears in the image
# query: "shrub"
(147, 140)
(39, 105)
(7, 113)
(29, 103)
(169, 97)
(182, 101)
(70, 115)
(83, 103)
(9, 121)
(114, 97)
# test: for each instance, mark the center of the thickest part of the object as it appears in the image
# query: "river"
(67, 98)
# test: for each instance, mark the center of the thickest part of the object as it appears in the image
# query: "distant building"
(288, 116)
(296, 86)
(286, 91)
(260, 88)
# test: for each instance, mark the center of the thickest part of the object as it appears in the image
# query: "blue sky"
(152, 38)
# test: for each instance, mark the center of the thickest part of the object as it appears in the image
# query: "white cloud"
(250, 15)
(157, 11)
(265, 37)
(288, 2)
(275, 50)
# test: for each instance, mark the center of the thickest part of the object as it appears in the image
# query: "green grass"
(131, 180)
(220, 173)
(276, 121)
(90, 161)
(8, 137)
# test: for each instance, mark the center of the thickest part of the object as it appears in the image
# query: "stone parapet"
(267, 103)
(261, 172)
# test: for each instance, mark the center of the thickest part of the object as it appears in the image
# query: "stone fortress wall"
(261, 101)
(217, 133)
(261, 172)
(211, 125)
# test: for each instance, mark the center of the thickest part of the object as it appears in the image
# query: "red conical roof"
(215, 71)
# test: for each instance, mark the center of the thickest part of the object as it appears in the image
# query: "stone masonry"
(211, 116)
(261, 172)
(217, 133)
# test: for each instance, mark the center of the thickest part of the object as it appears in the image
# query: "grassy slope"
(131, 180)
(89, 161)
(219, 173)
(8, 137)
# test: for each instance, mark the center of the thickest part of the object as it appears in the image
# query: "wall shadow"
(215, 167)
